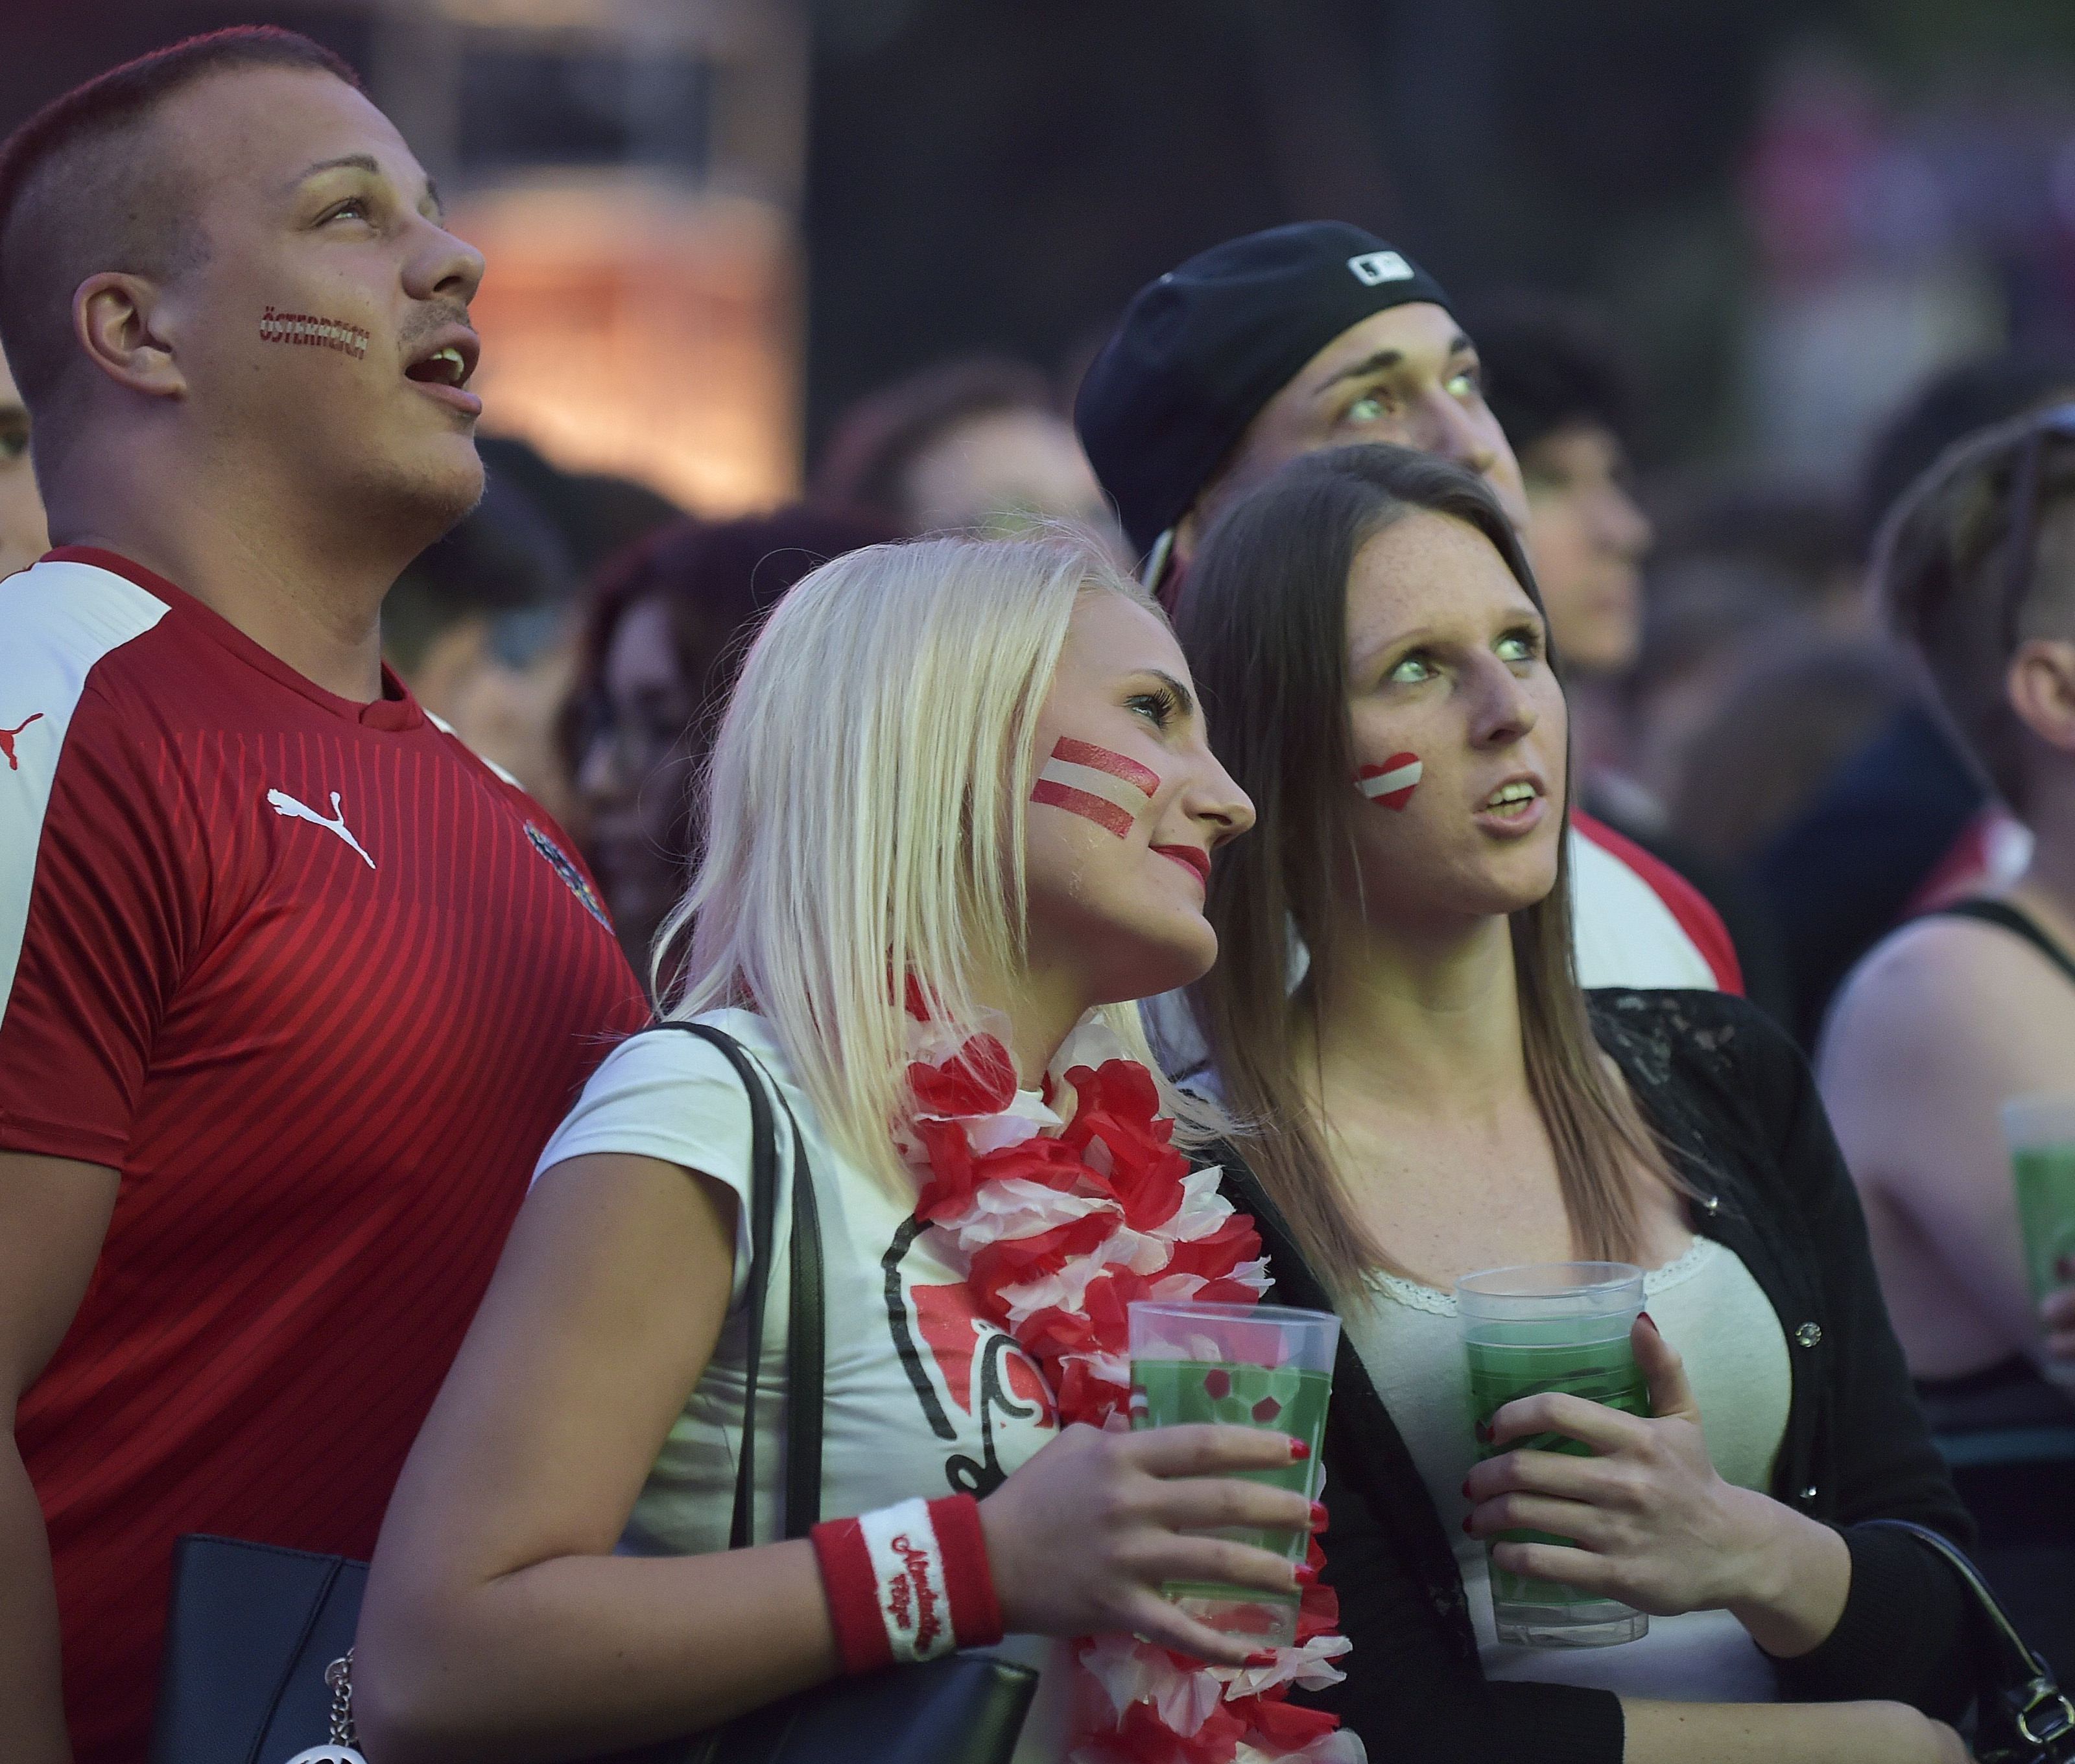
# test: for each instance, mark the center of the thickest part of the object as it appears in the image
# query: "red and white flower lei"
(1059, 1224)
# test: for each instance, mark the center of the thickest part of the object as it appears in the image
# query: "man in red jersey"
(294, 986)
(1321, 335)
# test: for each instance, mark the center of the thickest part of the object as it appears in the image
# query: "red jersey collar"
(396, 709)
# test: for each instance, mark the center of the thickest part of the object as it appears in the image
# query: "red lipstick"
(1192, 858)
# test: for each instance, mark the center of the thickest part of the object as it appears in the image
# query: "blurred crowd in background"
(1736, 277)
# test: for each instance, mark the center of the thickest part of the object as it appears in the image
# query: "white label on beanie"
(1372, 267)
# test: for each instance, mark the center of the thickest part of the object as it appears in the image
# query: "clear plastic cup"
(1247, 1366)
(1552, 1326)
(2040, 1134)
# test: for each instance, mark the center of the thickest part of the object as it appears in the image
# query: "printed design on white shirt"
(952, 1356)
(282, 803)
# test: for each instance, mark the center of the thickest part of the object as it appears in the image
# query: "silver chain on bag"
(340, 1748)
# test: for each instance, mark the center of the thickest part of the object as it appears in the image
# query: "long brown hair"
(1263, 620)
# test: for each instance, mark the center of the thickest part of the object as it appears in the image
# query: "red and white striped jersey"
(318, 983)
(1635, 921)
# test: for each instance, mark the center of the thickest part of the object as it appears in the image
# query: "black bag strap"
(2034, 1712)
(805, 1346)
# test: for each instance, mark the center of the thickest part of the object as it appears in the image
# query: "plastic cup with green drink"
(1552, 1326)
(2040, 1134)
(1247, 1366)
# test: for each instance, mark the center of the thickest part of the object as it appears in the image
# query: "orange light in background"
(632, 328)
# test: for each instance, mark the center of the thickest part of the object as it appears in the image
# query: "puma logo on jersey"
(282, 803)
(7, 741)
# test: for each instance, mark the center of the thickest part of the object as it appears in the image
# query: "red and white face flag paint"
(1390, 786)
(1096, 784)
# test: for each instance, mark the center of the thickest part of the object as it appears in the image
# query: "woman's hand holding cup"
(1654, 1524)
(1082, 1537)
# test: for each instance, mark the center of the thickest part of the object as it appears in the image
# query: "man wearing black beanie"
(1321, 335)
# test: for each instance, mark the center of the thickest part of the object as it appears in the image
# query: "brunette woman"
(973, 775)
(1435, 1095)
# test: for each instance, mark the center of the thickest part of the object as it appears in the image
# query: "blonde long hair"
(864, 812)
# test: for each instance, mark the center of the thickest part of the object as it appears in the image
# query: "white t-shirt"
(921, 1395)
(1717, 1316)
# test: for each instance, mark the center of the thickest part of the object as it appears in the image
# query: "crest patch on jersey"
(561, 862)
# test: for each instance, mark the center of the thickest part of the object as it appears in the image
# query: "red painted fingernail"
(1306, 1574)
(1298, 1449)
(1644, 1316)
(1466, 1523)
(1265, 1657)
(1484, 1433)
(1319, 1516)
(1466, 1489)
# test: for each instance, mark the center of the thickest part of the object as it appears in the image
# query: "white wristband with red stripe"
(908, 1583)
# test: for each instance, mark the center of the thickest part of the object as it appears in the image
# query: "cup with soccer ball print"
(1552, 1326)
(1247, 1366)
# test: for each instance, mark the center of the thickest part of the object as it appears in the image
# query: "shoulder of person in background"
(1946, 1020)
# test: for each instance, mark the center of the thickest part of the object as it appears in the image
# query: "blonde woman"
(909, 785)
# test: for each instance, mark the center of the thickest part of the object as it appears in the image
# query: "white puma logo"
(282, 803)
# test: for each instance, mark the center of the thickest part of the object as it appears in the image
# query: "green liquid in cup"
(1171, 1392)
(2045, 1177)
(1604, 1372)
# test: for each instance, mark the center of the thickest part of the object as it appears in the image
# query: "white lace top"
(1711, 1310)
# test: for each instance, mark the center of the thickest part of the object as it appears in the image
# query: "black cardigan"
(1738, 1102)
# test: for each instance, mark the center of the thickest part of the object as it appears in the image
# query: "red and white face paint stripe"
(1390, 786)
(908, 1583)
(1097, 784)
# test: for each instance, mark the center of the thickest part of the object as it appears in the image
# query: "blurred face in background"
(1000, 472)
(1586, 539)
(632, 778)
(23, 537)
(1407, 376)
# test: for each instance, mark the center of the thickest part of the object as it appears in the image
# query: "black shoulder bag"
(245, 1678)
(2024, 1717)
